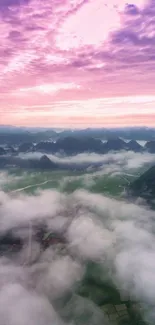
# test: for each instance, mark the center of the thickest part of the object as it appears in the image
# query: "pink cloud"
(70, 121)
(49, 54)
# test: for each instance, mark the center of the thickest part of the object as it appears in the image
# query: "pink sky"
(77, 63)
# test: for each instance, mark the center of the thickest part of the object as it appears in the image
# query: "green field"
(65, 181)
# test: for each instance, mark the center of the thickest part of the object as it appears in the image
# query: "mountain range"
(16, 135)
(73, 146)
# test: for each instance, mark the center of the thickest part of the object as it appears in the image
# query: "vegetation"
(67, 181)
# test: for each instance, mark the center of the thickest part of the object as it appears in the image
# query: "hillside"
(150, 146)
(134, 146)
(144, 186)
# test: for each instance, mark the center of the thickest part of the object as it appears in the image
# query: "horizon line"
(78, 128)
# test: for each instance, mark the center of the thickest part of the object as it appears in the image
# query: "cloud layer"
(52, 62)
(117, 235)
(117, 160)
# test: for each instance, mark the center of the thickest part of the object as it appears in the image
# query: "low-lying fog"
(118, 235)
(124, 159)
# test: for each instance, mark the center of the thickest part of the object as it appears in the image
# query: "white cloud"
(48, 88)
(119, 235)
(115, 160)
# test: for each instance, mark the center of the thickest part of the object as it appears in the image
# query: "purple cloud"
(9, 3)
(132, 9)
(29, 53)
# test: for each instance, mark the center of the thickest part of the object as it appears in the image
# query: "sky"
(77, 63)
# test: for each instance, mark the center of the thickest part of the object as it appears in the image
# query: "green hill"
(144, 186)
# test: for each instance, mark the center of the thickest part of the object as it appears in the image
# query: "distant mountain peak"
(45, 158)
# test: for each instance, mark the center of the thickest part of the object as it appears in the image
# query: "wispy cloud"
(120, 161)
(117, 235)
(50, 50)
